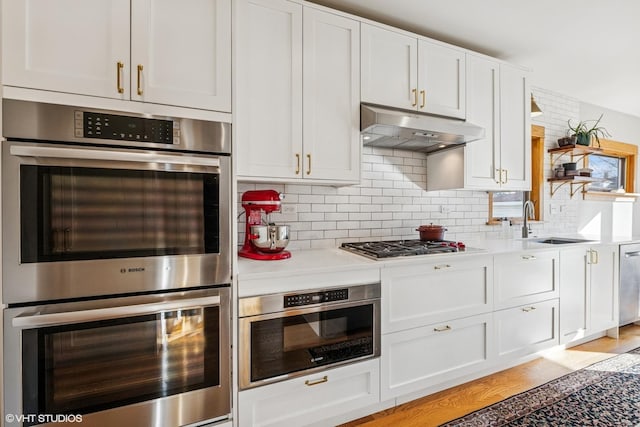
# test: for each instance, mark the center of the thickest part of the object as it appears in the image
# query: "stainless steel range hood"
(408, 130)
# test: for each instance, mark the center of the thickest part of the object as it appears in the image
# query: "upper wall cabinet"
(298, 93)
(412, 73)
(498, 99)
(157, 51)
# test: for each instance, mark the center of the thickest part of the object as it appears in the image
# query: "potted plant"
(584, 132)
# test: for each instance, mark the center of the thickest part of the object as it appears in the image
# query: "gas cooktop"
(398, 248)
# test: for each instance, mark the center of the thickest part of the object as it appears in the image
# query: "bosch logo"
(132, 270)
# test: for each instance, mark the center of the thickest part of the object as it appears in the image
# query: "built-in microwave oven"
(292, 334)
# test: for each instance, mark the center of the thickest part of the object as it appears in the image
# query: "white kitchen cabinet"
(298, 96)
(312, 398)
(588, 291)
(523, 330)
(155, 51)
(482, 165)
(526, 277)
(66, 45)
(331, 96)
(419, 358)
(420, 294)
(515, 129)
(268, 110)
(413, 73)
(498, 99)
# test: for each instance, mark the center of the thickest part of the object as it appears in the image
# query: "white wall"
(621, 217)
(391, 201)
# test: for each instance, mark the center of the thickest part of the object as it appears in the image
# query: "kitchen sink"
(560, 240)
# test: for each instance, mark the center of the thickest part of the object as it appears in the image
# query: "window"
(616, 165)
(505, 204)
(609, 169)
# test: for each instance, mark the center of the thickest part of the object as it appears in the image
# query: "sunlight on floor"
(568, 358)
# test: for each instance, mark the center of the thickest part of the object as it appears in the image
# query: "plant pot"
(583, 139)
(567, 140)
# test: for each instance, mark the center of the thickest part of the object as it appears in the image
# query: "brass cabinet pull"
(498, 176)
(528, 309)
(309, 160)
(592, 259)
(529, 257)
(414, 94)
(140, 68)
(424, 98)
(119, 68)
(442, 329)
(297, 164)
(316, 382)
(506, 176)
(441, 266)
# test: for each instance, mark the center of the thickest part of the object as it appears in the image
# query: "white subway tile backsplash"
(391, 201)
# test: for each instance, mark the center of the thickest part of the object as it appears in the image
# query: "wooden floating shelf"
(579, 151)
(576, 182)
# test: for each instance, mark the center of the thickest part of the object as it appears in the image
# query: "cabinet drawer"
(418, 295)
(422, 357)
(309, 399)
(526, 329)
(526, 277)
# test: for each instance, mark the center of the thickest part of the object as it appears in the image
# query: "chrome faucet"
(527, 213)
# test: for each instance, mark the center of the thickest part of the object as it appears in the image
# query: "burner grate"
(397, 248)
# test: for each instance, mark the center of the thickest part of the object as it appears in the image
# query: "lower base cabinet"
(526, 329)
(306, 400)
(419, 358)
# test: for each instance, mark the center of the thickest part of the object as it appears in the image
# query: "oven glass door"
(288, 344)
(88, 367)
(77, 213)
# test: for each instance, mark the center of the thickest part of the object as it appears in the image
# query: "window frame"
(622, 150)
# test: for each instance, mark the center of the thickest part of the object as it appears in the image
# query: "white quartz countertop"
(319, 268)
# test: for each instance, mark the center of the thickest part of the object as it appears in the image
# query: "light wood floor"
(449, 404)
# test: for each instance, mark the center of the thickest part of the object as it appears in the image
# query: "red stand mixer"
(263, 241)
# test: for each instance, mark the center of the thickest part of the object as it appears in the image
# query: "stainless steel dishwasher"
(629, 283)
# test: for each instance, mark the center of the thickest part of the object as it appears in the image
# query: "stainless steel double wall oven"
(116, 266)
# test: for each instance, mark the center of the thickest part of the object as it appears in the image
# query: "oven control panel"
(125, 128)
(298, 300)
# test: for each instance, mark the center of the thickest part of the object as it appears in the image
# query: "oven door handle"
(35, 320)
(112, 155)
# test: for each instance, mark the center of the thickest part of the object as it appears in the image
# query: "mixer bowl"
(269, 238)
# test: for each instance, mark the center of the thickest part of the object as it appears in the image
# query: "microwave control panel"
(125, 128)
(298, 300)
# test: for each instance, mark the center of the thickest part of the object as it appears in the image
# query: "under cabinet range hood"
(409, 130)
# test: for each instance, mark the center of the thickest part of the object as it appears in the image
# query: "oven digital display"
(125, 128)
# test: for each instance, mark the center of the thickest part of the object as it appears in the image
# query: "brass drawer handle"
(529, 257)
(442, 329)
(528, 309)
(316, 382)
(140, 68)
(119, 68)
(441, 266)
